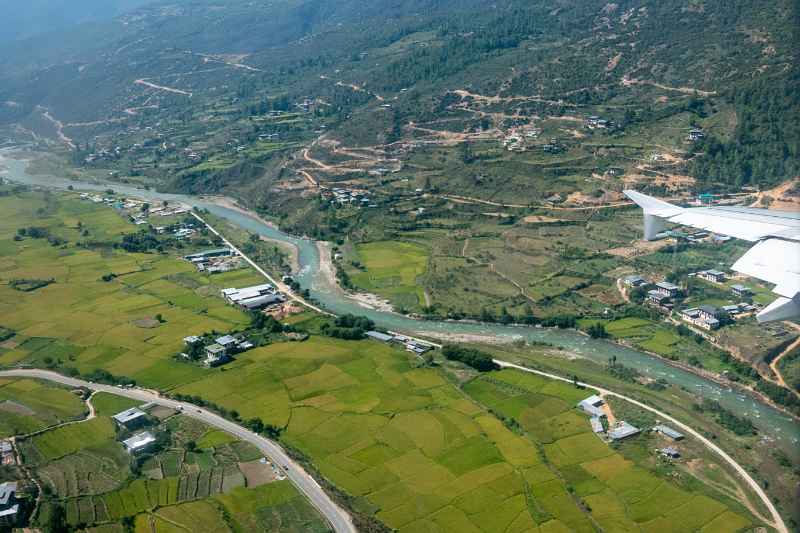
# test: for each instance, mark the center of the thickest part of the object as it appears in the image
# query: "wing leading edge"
(775, 258)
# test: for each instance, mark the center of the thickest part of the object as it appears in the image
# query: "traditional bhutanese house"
(714, 276)
(741, 290)
(635, 281)
(668, 289)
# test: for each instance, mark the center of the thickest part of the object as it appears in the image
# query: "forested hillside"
(199, 77)
(23, 19)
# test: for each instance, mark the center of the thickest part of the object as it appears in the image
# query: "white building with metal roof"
(139, 442)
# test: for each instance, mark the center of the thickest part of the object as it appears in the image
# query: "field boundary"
(777, 520)
(337, 517)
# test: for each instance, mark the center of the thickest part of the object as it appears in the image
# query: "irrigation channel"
(771, 422)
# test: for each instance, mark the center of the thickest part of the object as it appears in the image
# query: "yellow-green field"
(413, 449)
(392, 270)
(83, 322)
(619, 494)
(27, 406)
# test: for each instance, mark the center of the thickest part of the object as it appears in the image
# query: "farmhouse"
(658, 298)
(593, 405)
(670, 452)
(623, 430)
(635, 281)
(597, 425)
(668, 432)
(9, 508)
(216, 355)
(139, 442)
(192, 339)
(705, 316)
(667, 289)
(228, 342)
(741, 290)
(130, 418)
(714, 276)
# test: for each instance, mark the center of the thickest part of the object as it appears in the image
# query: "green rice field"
(83, 322)
(391, 270)
(27, 406)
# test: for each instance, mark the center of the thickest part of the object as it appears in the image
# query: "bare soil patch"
(257, 473)
(10, 406)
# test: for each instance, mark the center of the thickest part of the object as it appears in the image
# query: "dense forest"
(765, 148)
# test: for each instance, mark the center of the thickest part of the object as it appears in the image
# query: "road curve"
(338, 518)
(778, 523)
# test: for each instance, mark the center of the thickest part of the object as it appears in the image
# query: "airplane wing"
(775, 258)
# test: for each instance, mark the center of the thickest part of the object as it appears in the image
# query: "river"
(771, 422)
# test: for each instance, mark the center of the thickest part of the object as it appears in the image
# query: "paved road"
(339, 518)
(777, 523)
(278, 284)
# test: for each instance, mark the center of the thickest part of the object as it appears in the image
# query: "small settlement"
(411, 345)
(663, 295)
(596, 407)
(215, 261)
(131, 419)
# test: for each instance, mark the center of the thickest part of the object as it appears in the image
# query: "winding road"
(777, 521)
(339, 518)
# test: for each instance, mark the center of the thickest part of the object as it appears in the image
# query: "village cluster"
(340, 196)
(597, 410)
(663, 294)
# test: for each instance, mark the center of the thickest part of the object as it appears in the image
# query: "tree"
(477, 359)
(597, 331)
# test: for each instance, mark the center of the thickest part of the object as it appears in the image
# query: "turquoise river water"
(771, 422)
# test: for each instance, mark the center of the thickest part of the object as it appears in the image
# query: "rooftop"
(668, 431)
(7, 491)
(225, 340)
(215, 349)
(623, 430)
(139, 441)
(377, 335)
(128, 415)
(667, 285)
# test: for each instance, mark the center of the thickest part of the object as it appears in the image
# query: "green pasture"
(391, 269)
(106, 404)
(27, 406)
